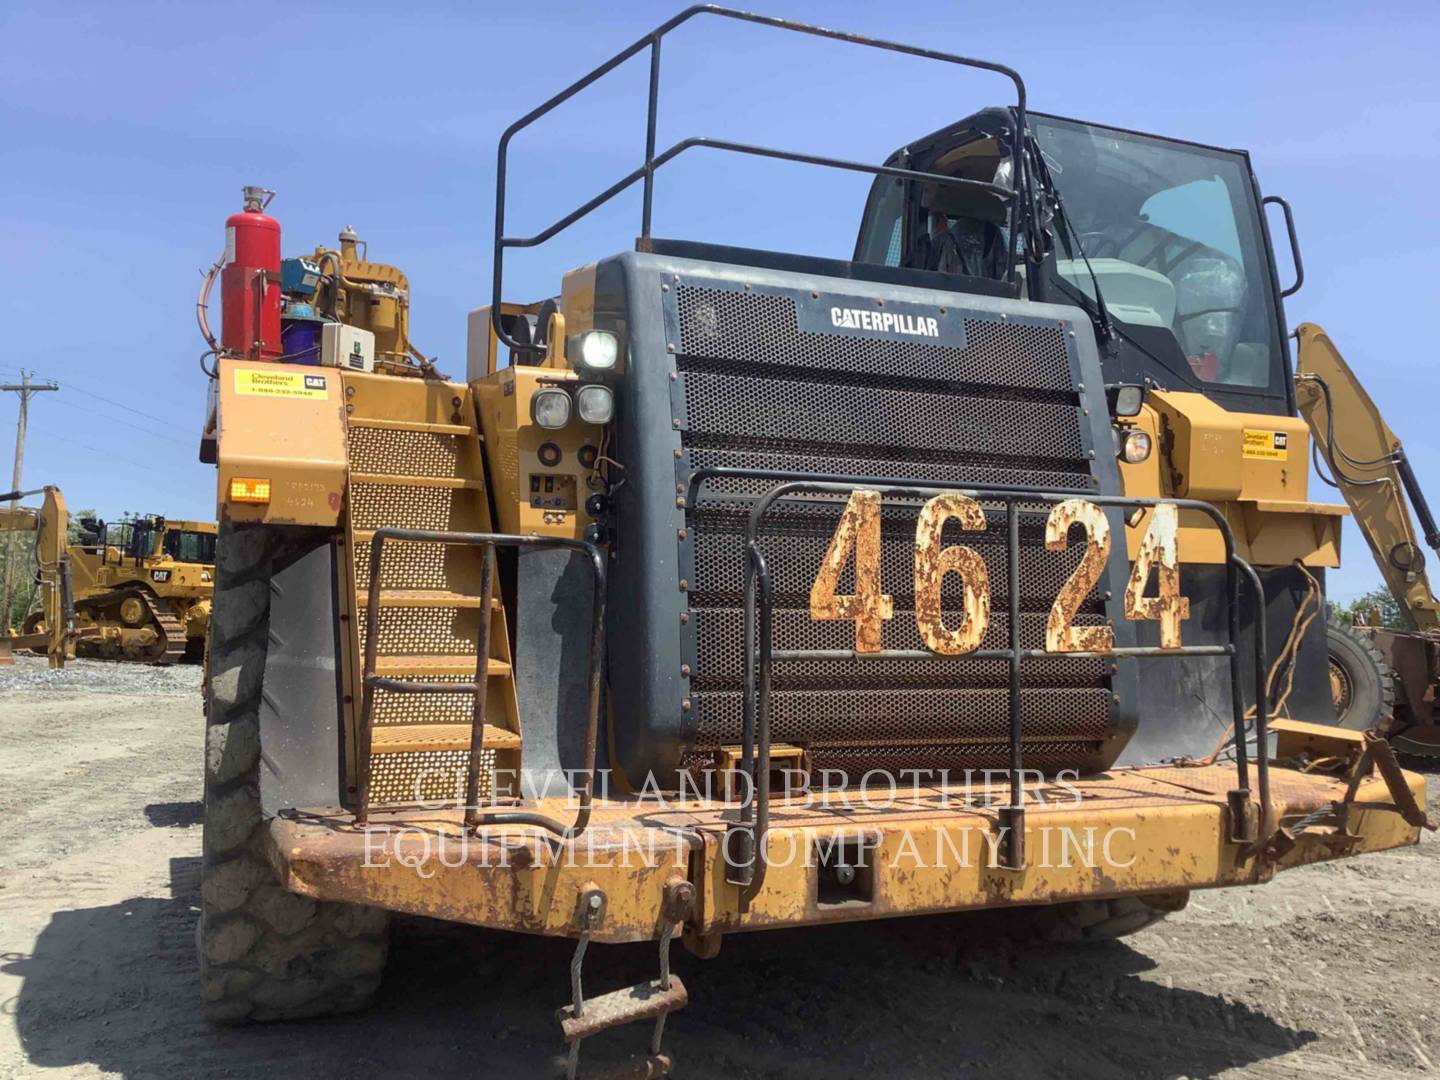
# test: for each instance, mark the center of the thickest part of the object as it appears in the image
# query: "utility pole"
(24, 388)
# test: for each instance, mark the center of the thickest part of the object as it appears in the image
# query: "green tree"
(1362, 609)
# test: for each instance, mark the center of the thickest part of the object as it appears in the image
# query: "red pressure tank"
(250, 282)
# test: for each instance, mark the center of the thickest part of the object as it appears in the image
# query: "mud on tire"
(265, 953)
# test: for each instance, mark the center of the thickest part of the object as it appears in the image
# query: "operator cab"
(1171, 232)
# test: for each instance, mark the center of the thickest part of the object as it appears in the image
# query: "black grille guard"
(745, 838)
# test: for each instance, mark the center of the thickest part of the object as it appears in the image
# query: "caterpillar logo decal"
(286, 384)
(1267, 445)
(885, 322)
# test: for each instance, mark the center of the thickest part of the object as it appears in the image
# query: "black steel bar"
(1262, 705)
(762, 790)
(1417, 499)
(413, 686)
(482, 689)
(653, 107)
(1294, 243)
(1237, 700)
(1011, 817)
(367, 680)
(1012, 519)
(828, 482)
(371, 681)
(747, 721)
(647, 170)
(652, 39)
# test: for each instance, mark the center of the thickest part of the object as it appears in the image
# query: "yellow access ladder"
(415, 462)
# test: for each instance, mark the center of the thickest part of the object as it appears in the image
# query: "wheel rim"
(1342, 691)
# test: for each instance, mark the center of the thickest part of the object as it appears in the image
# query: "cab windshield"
(188, 546)
(1171, 233)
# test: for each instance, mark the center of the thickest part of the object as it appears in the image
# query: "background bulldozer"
(138, 589)
(604, 639)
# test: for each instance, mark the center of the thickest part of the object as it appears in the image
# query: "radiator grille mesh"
(755, 391)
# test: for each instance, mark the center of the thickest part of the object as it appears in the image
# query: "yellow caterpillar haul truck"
(732, 590)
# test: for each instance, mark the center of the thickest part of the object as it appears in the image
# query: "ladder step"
(405, 666)
(642, 1002)
(453, 482)
(418, 738)
(409, 425)
(426, 598)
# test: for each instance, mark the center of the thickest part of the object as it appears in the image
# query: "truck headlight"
(1132, 445)
(550, 408)
(595, 404)
(596, 350)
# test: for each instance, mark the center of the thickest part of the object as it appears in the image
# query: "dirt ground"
(1328, 971)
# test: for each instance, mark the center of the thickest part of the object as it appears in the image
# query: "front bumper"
(928, 849)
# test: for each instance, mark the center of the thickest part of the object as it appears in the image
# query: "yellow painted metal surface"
(415, 462)
(535, 494)
(1200, 453)
(1159, 829)
(370, 295)
(50, 523)
(1372, 488)
(1209, 451)
(294, 438)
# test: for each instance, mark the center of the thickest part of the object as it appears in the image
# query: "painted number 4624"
(869, 607)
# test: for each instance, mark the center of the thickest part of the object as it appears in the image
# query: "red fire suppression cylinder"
(250, 282)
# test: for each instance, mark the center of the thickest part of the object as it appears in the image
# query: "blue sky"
(128, 129)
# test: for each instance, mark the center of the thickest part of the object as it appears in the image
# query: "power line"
(107, 451)
(127, 423)
(109, 401)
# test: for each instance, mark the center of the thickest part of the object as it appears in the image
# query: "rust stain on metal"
(933, 562)
(868, 607)
(1159, 549)
(1061, 635)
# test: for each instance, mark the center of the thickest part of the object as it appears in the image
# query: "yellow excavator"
(55, 609)
(1380, 677)
(137, 589)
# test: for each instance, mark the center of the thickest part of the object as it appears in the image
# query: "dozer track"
(104, 611)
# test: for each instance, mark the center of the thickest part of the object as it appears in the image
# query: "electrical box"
(347, 347)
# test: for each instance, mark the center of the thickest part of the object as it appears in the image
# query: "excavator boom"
(1367, 462)
(50, 524)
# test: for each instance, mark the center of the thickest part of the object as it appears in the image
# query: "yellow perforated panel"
(407, 566)
(374, 505)
(430, 776)
(402, 453)
(425, 631)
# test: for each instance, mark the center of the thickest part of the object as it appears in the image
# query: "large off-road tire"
(265, 953)
(1362, 685)
(1087, 921)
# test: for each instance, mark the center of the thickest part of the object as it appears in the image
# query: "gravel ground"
(1329, 971)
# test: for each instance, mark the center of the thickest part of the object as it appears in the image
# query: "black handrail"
(1294, 243)
(475, 815)
(753, 818)
(646, 171)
